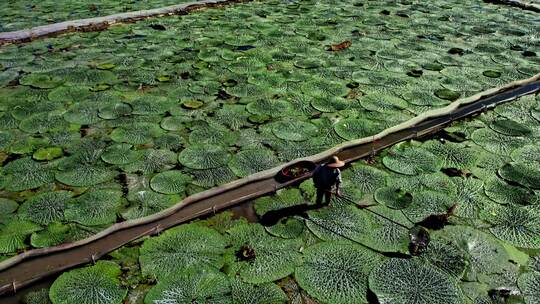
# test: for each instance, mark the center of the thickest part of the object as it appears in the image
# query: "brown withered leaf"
(340, 46)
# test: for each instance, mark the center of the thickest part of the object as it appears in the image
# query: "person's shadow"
(271, 218)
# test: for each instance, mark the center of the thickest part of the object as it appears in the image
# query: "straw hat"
(335, 162)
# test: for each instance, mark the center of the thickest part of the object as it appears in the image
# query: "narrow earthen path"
(43, 263)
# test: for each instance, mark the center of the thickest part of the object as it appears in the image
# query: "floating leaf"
(180, 248)
(529, 283)
(25, 173)
(426, 203)
(485, 255)
(97, 207)
(453, 155)
(205, 156)
(365, 178)
(519, 226)
(274, 258)
(294, 130)
(266, 293)
(410, 281)
(40, 81)
(527, 154)
(49, 153)
(247, 162)
(170, 182)
(139, 133)
(85, 175)
(496, 142)
(351, 129)
(510, 127)
(82, 114)
(152, 160)
(503, 193)
(393, 197)
(13, 233)
(7, 206)
(524, 174)
(119, 154)
(204, 285)
(212, 134)
(90, 285)
(55, 234)
(411, 160)
(470, 197)
(337, 272)
(146, 203)
(46, 207)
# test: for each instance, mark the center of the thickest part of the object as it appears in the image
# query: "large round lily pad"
(252, 161)
(180, 248)
(414, 282)
(204, 156)
(170, 182)
(336, 272)
(90, 285)
(46, 207)
(411, 160)
(294, 130)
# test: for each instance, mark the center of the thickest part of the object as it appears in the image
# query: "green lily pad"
(205, 156)
(170, 182)
(93, 284)
(337, 272)
(410, 281)
(181, 248)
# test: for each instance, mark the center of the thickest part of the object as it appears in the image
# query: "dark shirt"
(325, 177)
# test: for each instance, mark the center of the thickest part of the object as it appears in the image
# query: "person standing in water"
(327, 176)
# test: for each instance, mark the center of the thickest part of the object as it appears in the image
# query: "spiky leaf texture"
(519, 226)
(97, 207)
(504, 193)
(25, 173)
(147, 202)
(353, 128)
(496, 142)
(444, 253)
(411, 160)
(183, 247)
(524, 174)
(40, 296)
(484, 253)
(204, 156)
(266, 293)
(470, 197)
(364, 177)
(13, 234)
(170, 182)
(85, 175)
(294, 130)
(453, 155)
(119, 154)
(212, 177)
(275, 258)
(426, 203)
(252, 161)
(46, 207)
(413, 282)
(335, 272)
(96, 284)
(529, 283)
(204, 285)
